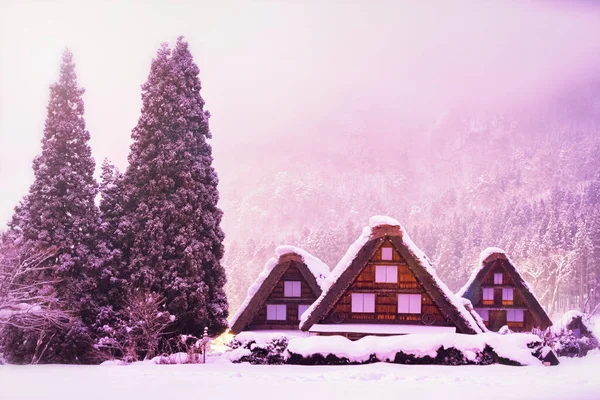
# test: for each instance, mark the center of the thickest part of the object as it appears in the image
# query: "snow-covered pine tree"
(112, 283)
(174, 242)
(59, 211)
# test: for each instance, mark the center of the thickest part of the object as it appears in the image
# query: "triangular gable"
(382, 229)
(489, 259)
(314, 271)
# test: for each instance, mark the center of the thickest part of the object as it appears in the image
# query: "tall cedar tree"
(175, 243)
(112, 285)
(60, 211)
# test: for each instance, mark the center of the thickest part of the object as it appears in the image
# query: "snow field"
(573, 378)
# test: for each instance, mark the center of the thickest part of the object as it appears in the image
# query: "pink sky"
(278, 68)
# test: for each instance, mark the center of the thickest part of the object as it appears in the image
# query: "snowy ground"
(574, 378)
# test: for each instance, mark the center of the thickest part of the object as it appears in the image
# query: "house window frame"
(280, 311)
(292, 288)
(513, 314)
(498, 278)
(390, 273)
(361, 303)
(487, 301)
(413, 302)
(387, 253)
(508, 296)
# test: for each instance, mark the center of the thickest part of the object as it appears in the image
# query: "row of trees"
(80, 282)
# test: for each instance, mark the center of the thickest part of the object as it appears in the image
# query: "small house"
(501, 296)
(385, 285)
(283, 291)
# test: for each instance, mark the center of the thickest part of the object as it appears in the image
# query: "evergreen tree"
(111, 282)
(59, 211)
(173, 240)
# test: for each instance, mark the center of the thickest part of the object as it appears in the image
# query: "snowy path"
(579, 378)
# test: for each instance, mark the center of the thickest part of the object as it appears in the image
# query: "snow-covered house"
(287, 286)
(501, 296)
(385, 285)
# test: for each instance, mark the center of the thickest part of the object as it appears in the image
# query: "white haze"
(274, 71)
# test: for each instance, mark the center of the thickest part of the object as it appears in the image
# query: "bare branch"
(23, 301)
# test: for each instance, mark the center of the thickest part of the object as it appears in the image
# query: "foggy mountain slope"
(454, 183)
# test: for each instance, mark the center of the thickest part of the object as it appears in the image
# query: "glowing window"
(514, 316)
(497, 279)
(276, 312)
(488, 294)
(386, 274)
(292, 288)
(409, 304)
(386, 253)
(363, 302)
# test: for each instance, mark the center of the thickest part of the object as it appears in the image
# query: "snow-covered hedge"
(446, 349)
(264, 348)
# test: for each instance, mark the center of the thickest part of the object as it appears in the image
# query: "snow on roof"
(381, 329)
(317, 267)
(445, 290)
(545, 350)
(379, 220)
(482, 257)
(353, 250)
(469, 307)
(344, 263)
(488, 252)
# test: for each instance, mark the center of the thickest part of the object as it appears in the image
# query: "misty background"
(475, 124)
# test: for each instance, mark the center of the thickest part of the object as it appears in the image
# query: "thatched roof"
(315, 272)
(489, 257)
(359, 254)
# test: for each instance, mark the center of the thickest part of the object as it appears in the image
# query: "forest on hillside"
(525, 179)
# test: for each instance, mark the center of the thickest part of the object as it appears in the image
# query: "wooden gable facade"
(288, 290)
(501, 297)
(385, 290)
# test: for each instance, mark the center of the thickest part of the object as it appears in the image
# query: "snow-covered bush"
(572, 336)
(259, 350)
(135, 333)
